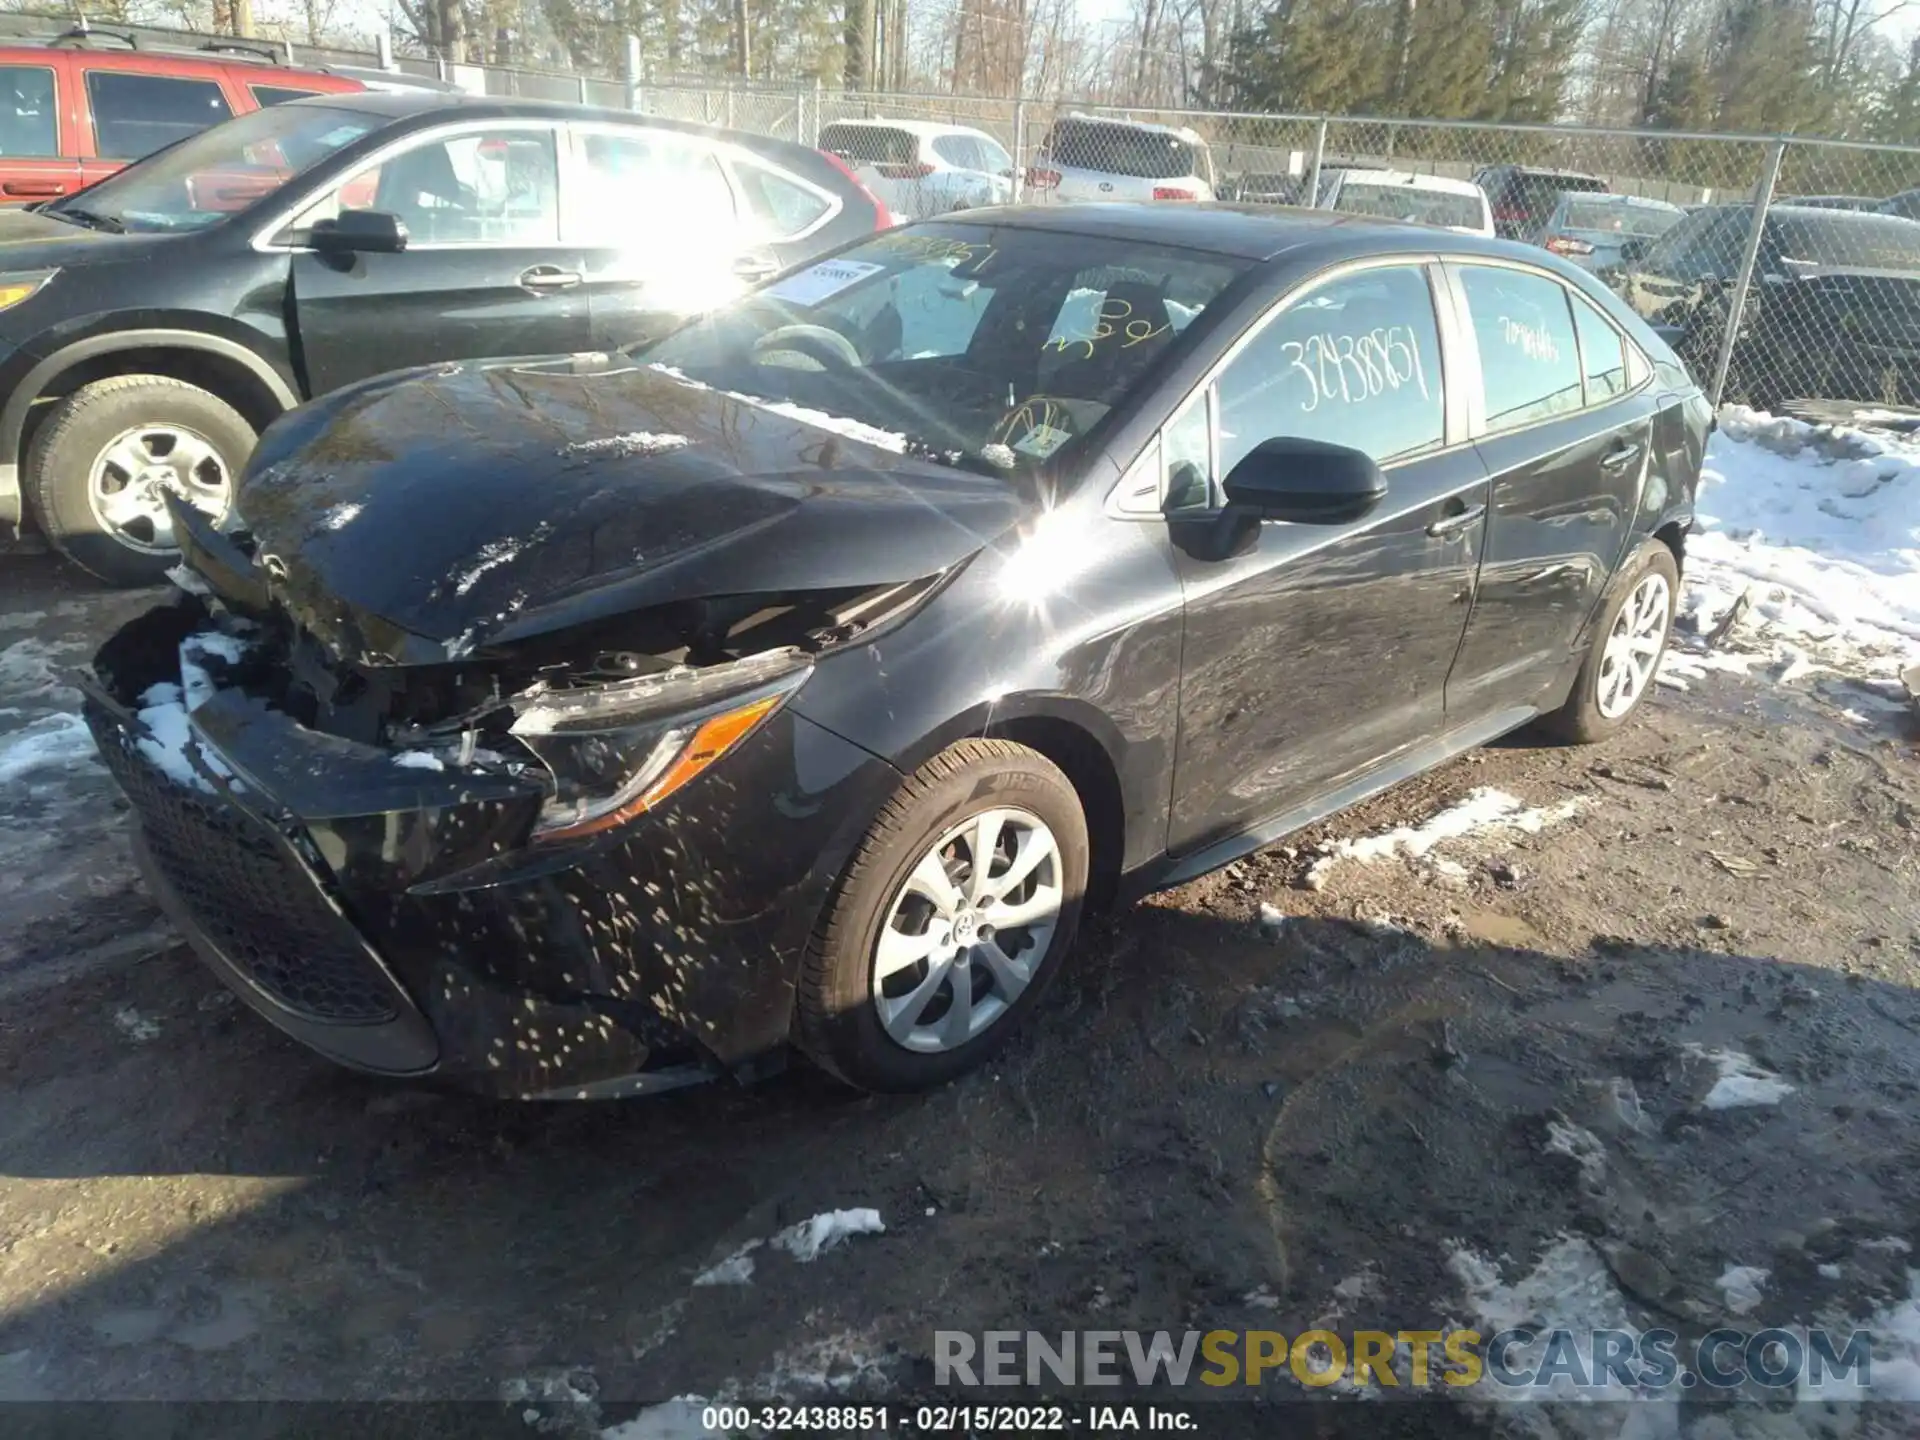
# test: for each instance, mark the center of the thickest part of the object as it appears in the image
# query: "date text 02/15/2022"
(945, 1419)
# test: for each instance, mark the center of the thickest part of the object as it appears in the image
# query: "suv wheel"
(101, 463)
(950, 922)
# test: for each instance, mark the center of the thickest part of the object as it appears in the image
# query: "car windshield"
(1410, 202)
(1122, 150)
(995, 347)
(1635, 221)
(218, 172)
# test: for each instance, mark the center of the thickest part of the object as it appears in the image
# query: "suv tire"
(95, 466)
(889, 1029)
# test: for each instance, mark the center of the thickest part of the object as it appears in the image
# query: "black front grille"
(254, 902)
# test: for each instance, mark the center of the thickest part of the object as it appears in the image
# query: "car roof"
(1247, 232)
(1179, 132)
(1408, 180)
(1607, 197)
(429, 106)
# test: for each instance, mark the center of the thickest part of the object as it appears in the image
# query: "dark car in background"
(1523, 196)
(577, 727)
(156, 322)
(1834, 310)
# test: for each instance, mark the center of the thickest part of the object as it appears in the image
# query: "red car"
(76, 108)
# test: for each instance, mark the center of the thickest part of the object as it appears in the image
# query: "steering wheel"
(1034, 417)
(797, 345)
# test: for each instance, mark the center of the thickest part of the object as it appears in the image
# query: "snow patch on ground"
(1896, 1355)
(418, 760)
(1742, 1286)
(135, 1026)
(807, 1240)
(1741, 1081)
(1581, 1146)
(58, 741)
(339, 517)
(1819, 527)
(675, 1419)
(1485, 811)
(1569, 1288)
(736, 1269)
(30, 670)
(625, 447)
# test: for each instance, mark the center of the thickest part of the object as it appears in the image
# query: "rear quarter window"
(780, 207)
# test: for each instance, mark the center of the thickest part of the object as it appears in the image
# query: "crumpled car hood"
(418, 516)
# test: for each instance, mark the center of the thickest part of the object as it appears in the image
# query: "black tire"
(837, 1023)
(1580, 720)
(60, 463)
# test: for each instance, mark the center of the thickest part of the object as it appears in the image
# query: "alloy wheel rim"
(133, 472)
(962, 939)
(1633, 646)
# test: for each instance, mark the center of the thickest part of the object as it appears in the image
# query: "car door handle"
(1456, 520)
(34, 187)
(549, 277)
(1622, 457)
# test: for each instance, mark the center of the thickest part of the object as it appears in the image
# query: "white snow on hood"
(838, 424)
(625, 447)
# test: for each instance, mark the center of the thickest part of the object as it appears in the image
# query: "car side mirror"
(1307, 482)
(359, 232)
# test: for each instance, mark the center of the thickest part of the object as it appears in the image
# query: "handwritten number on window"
(1115, 317)
(1353, 369)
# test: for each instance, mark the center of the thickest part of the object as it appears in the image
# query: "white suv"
(921, 167)
(1088, 157)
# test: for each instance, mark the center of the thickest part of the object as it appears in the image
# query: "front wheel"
(950, 922)
(1624, 656)
(100, 467)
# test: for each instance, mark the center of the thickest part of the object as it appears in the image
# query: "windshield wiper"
(91, 219)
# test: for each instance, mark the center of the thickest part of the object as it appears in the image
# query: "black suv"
(152, 324)
(1834, 310)
(1523, 198)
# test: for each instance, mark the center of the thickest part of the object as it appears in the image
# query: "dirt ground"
(1215, 1122)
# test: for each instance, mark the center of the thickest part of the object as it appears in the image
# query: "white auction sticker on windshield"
(817, 282)
(1042, 440)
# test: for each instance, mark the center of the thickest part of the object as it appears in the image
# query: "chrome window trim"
(262, 240)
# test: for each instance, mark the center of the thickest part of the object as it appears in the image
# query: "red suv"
(75, 109)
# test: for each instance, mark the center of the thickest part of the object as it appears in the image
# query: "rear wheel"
(101, 465)
(950, 922)
(1628, 642)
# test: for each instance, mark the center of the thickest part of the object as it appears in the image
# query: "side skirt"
(1168, 870)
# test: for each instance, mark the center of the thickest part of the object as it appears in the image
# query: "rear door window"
(135, 115)
(1529, 359)
(29, 120)
(634, 179)
(1603, 357)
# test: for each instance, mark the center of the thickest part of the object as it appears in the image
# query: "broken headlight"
(616, 751)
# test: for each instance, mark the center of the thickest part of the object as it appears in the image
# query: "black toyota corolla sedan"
(575, 727)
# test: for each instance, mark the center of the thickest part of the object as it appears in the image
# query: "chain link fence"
(1781, 270)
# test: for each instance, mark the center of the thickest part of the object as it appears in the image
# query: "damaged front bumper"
(393, 916)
